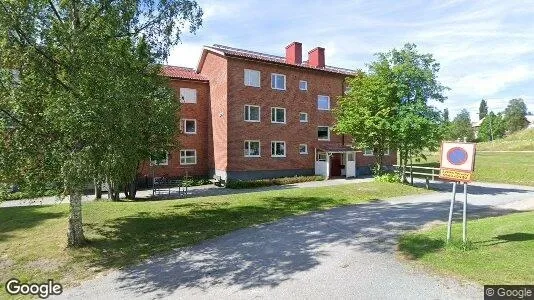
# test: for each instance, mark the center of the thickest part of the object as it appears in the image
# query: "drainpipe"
(327, 165)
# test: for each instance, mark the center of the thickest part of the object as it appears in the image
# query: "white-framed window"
(321, 156)
(160, 161)
(252, 113)
(303, 85)
(278, 149)
(278, 81)
(188, 95)
(188, 157)
(323, 102)
(368, 152)
(303, 117)
(303, 149)
(252, 149)
(278, 115)
(386, 152)
(252, 78)
(323, 133)
(189, 126)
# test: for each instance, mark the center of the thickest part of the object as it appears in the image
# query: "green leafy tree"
(461, 127)
(367, 113)
(446, 124)
(79, 82)
(493, 127)
(482, 109)
(514, 115)
(388, 106)
(418, 124)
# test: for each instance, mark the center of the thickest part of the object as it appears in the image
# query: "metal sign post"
(464, 233)
(449, 224)
(457, 161)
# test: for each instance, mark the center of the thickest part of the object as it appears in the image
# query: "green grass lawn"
(33, 239)
(504, 167)
(500, 250)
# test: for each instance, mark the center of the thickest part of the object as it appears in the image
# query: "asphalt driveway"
(347, 252)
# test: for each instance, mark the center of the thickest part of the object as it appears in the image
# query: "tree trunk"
(403, 159)
(132, 189)
(113, 193)
(75, 237)
(98, 189)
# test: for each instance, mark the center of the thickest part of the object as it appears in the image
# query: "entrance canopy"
(333, 160)
(337, 148)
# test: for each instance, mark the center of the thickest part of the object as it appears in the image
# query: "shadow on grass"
(415, 246)
(507, 238)
(516, 237)
(16, 218)
(127, 240)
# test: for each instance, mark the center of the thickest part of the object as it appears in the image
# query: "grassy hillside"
(503, 167)
(520, 141)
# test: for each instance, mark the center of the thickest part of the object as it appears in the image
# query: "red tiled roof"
(273, 58)
(182, 72)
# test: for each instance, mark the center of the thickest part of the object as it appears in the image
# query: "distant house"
(476, 126)
(530, 119)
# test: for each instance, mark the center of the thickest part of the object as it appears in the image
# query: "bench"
(163, 185)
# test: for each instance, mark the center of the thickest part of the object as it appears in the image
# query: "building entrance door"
(335, 165)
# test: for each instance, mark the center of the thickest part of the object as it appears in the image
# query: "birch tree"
(80, 86)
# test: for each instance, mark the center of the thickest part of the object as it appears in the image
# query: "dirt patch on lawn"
(5, 264)
(44, 265)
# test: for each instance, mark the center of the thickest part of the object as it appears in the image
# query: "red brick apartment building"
(248, 115)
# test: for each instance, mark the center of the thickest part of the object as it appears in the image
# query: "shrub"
(249, 184)
(7, 196)
(196, 181)
(388, 177)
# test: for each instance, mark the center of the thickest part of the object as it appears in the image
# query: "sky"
(485, 48)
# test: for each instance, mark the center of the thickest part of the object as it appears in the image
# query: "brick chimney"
(316, 57)
(294, 53)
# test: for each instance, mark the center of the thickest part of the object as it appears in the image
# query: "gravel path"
(342, 253)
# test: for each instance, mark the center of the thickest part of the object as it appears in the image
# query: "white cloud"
(487, 83)
(185, 55)
(485, 48)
